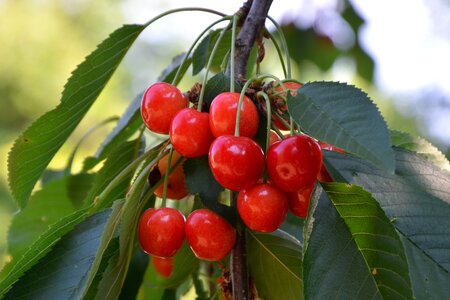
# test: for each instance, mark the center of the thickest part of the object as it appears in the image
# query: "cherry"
(236, 162)
(280, 104)
(294, 163)
(190, 134)
(273, 138)
(299, 201)
(209, 236)
(160, 104)
(262, 207)
(163, 265)
(161, 231)
(323, 175)
(176, 187)
(222, 115)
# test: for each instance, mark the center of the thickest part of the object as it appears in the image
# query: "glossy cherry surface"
(262, 207)
(161, 231)
(176, 186)
(299, 201)
(236, 162)
(294, 163)
(190, 134)
(163, 265)
(160, 104)
(222, 115)
(209, 235)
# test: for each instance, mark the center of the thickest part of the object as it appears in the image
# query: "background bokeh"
(397, 51)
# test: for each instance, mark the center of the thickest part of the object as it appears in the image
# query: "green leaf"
(429, 281)
(200, 180)
(78, 187)
(200, 54)
(127, 125)
(420, 146)
(13, 271)
(375, 238)
(169, 73)
(344, 116)
(217, 84)
(63, 273)
(419, 208)
(36, 146)
(46, 207)
(135, 274)
(333, 268)
(275, 261)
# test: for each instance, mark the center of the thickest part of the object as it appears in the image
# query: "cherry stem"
(282, 120)
(128, 169)
(188, 53)
(208, 66)
(233, 47)
(280, 55)
(183, 10)
(166, 178)
(284, 45)
(280, 134)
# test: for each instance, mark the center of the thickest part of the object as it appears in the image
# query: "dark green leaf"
(63, 273)
(168, 75)
(36, 146)
(420, 146)
(46, 207)
(222, 50)
(429, 281)
(200, 180)
(275, 261)
(135, 274)
(78, 187)
(51, 174)
(128, 124)
(375, 237)
(200, 54)
(333, 267)
(217, 84)
(419, 207)
(294, 226)
(13, 271)
(344, 116)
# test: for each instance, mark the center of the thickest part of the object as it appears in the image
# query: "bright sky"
(409, 39)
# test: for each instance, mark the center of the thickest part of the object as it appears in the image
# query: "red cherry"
(280, 104)
(176, 186)
(161, 231)
(190, 134)
(291, 86)
(273, 138)
(160, 104)
(329, 147)
(163, 265)
(294, 163)
(236, 162)
(209, 236)
(299, 201)
(323, 175)
(222, 115)
(262, 207)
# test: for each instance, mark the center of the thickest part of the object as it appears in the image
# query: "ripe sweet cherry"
(160, 104)
(190, 134)
(273, 137)
(323, 175)
(163, 265)
(299, 201)
(209, 236)
(161, 231)
(280, 104)
(262, 207)
(222, 115)
(176, 186)
(294, 163)
(236, 162)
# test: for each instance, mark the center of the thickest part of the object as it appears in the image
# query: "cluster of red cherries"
(267, 185)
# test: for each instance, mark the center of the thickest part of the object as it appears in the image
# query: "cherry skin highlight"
(161, 231)
(160, 103)
(209, 235)
(222, 115)
(236, 162)
(176, 186)
(190, 134)
(299, 201)
(262, 207)
(294, 163)
(163, 265)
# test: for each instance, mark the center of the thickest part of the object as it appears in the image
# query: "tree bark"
(255, 13)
